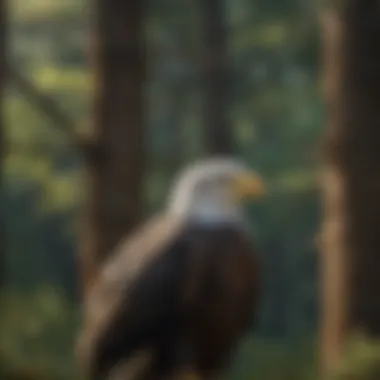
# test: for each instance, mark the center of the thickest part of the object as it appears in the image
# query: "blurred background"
(275, 106)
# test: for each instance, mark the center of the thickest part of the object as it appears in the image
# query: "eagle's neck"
(207, 211)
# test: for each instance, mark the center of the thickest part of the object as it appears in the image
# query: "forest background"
(277, 114)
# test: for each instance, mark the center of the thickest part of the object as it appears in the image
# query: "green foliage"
(30, 327)
(361, 360)
(269, 359)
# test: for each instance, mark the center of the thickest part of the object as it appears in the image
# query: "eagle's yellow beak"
(248, 186)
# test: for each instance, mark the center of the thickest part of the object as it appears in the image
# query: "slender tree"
(115, 174)
(334, 281)
(217, 80)
(351, 261)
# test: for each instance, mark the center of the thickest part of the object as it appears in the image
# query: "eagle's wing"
(130, 297)
(225, 299)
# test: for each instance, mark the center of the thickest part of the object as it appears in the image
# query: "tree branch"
(52, 110)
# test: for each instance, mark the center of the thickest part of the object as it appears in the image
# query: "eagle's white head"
(214, 190)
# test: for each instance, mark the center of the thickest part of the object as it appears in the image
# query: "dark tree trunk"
(360, 157)
(3, 77)
(351, 265)
(217, 81)
(115, 175)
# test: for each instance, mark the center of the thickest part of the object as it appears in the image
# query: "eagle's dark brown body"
(186, 292)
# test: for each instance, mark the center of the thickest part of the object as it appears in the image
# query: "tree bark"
(334, 276)
(217, 81)
(115, 179)
(3, 78)
(351, 261)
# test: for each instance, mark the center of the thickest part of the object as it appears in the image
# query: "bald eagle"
(184, 287)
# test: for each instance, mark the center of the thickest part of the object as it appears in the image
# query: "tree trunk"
(3, 77)
(217, 81)
(115, 175)
(351, 261)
